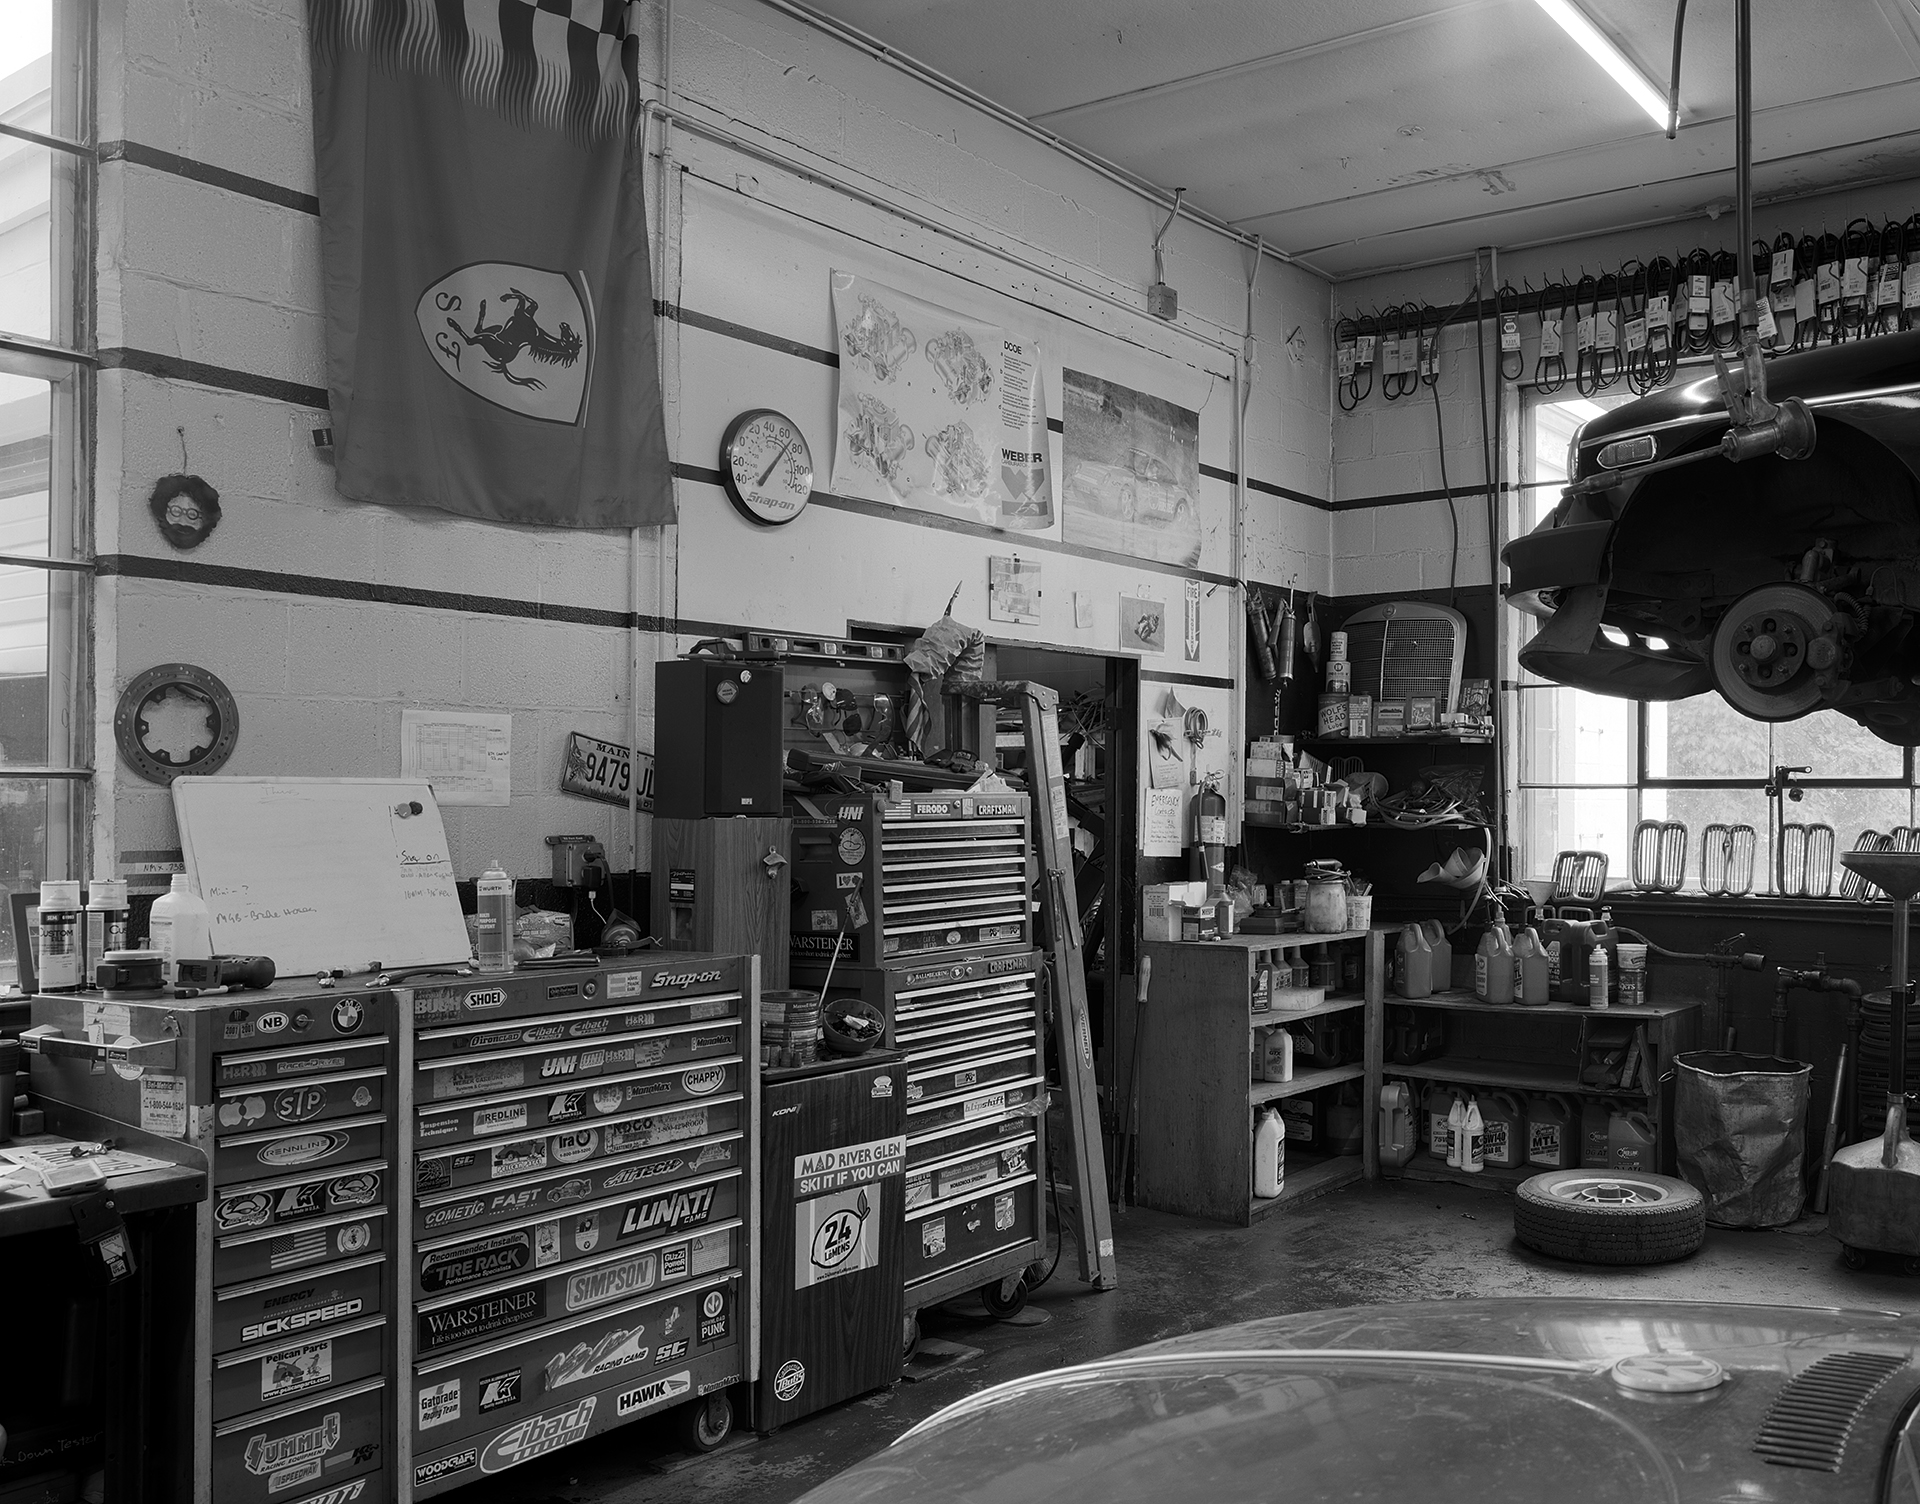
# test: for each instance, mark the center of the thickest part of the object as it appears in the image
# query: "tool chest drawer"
(249, 1156)
(268, 1069)
(923, 1147)
(969, 1172)
(522, 1112)
(293, 1305)
(970, 1076)
(294, 1104)
(483, 1074)
(476, 1188)
(274, 1373)
(298, 1198)
(581, 1027)
(659, 981)
(981, 1104)
(285, 1455)
(257, 1255)
(948, 1234)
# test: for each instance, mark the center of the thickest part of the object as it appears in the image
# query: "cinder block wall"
(327, 617)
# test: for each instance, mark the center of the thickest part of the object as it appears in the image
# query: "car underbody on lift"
(1786, 585)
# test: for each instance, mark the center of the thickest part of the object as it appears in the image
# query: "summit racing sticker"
(298, 1452)
(536, 1436)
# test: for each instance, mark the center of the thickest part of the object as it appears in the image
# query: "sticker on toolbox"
(437, 1405)
(538, 1435)
(300, 1102)
(477, 1078)
(481, 1316)
(279, 1065)
(652, 1394)
(833, 1235)
(851, 1164)
(475, 1262)
(611, 1096)
(933, 1237)
(251, 1207)
(620, 1345)
(163, 1105)
(312, 1448)
(520, 1158)
(295, 1370)
(326, 1299)
(498, 1391)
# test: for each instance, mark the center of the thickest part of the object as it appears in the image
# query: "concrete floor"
(1385, 1241)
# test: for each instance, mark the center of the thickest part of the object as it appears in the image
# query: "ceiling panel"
(1365, 134)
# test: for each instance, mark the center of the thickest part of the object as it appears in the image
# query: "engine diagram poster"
(938, 411)
(1130, 467)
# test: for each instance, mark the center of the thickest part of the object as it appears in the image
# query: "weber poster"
(489, 306)
(938, 411)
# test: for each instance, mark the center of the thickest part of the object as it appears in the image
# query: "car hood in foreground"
(1469, 1400)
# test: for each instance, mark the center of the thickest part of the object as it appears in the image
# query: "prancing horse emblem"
(503, 342)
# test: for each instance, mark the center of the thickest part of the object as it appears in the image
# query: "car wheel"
(706, 1423)
(1609, 1216)
(1853, 1258)
(1126, 505)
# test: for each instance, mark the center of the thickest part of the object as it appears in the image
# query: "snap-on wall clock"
(766, 467)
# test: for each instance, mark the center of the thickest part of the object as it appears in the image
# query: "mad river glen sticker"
(516, 336)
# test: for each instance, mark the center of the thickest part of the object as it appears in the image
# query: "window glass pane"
(24, 686)
(1835, 747)
(1705, 737)
(23, 853)
(1699, 808)
(26, 452)
(1571, 736)
(1556, 820)
(38, 251)
(1849, 812)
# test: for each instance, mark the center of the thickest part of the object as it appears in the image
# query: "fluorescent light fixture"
(1576, 25)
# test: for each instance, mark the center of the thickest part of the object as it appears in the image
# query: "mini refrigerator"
(833, 1145)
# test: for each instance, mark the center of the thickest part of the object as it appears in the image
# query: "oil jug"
(1504, 1125)
(1551, 1127)
(1396, 1130)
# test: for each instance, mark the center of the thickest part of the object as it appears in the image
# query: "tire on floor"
(1609, 1216)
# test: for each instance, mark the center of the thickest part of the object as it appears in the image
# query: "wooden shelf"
(1430, 740)
(1274, 822)
(1501, 1073)
(1465, 1002)
(1311, 1180)
(1423, 1166)
(1248, 940)
(1272, 1016)
(1303, 1081)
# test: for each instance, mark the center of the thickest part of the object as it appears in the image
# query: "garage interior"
(723, 719)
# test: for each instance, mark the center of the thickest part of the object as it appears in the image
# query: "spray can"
(494, 927)
(105, 924)
(57, 962)
(1597, 977)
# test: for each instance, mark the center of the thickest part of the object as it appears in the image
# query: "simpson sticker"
(504, 1119)
(597, 1287)
(618, 1348)
(571, 1148)
(476, 1262)
(499, 1390)
(536, 1436)
(674, 1386)
(517, 1158)
(480, 1317)
(438, 1404)
(295, 1370)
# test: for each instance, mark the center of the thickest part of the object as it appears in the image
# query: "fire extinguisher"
(1210, 834)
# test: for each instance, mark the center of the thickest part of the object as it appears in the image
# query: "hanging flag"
(489, 306)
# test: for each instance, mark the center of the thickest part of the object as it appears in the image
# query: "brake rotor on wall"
(1776, 653)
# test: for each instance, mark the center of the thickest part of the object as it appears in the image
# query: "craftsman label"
(476, 1262)
(617, 1348)
(295, 1370)
(517, 1158)
(597, 1287)
(852, 1164)
(439, 1404)
(656, 1392)
(503, 1119)
(666, 1212)
(537, 1436)
(833, 1235)
(480, 1317)
(498, 1391)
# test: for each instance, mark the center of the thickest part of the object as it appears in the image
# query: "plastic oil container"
(1504, 1127)
(177, 927)
(1396, 1130)
(1596, 1133)
(1531, 982)
(1276, 1055)
(1435, 1107)
(1442, 948)
(1632, 974)
(1457, 1134)
(1269, 1154)
(1630, 1142)
(1493, 965)
(1413, 964)
(1551, 1126)
(1473, 1138)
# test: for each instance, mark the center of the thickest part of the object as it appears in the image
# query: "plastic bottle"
(1276, 1062)
(1269, 1154)
(1396, 1131)
(1551, 1125)
(1435, 1106)
(1436, 936)
(1596, 1133)
(177, 928)
(1531, 983)
(1493, 965)
(105, 926)
(1346, 1124)
(57, 953)
(1413, 964)
(494, 930)
(1457, 1135)
(1630, 1141)
(1473, 1148)
(1597, 977)
(1505, 1127)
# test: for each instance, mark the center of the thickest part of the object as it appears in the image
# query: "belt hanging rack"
(1725, 331)
(1859, 249)
(1885, 316)
(1550, 367)
(1586, 374)
(1827, 254)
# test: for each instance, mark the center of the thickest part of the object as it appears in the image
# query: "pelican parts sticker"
(834, 1235)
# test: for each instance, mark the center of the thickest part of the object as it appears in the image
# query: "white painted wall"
(210, 275)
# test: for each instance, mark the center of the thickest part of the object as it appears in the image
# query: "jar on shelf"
(1326, 904)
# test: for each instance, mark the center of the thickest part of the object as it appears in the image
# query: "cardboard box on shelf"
(1359, 715)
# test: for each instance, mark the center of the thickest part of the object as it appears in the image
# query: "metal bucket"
(1740, 1135)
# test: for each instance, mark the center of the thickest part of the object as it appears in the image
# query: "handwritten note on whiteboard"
(466, 755)
(321, 873)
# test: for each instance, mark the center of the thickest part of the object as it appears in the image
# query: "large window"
(46, 342)
(1591, 768)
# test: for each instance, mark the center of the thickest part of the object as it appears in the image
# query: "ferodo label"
(480, 1316)
(536, 1436)
(476, 1262)
(666, 1212)
(596, 1287)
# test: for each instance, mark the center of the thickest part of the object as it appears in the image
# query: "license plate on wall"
(604, 770)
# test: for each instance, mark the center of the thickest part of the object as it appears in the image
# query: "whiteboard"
(319, 873)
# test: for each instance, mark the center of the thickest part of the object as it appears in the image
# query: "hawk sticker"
(516, 336)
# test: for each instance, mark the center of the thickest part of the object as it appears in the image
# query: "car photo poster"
(483, 251)
(938, 411)
(1130, 471)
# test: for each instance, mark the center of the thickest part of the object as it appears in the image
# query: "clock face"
(767, 467)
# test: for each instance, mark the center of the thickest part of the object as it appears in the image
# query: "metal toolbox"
(276, 1373)
(879, 880)
(520, 1112)
(293, 1305)
(661, 978)
(948, 1235)
(494, 1071)
(296, 1451)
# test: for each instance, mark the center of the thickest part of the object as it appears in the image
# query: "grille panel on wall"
(1407, 650)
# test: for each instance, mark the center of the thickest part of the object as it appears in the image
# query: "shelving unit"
(1396, 741)
(1504, 1046)
(1195, 1152)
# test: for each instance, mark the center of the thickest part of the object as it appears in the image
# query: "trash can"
(1740, 1135)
